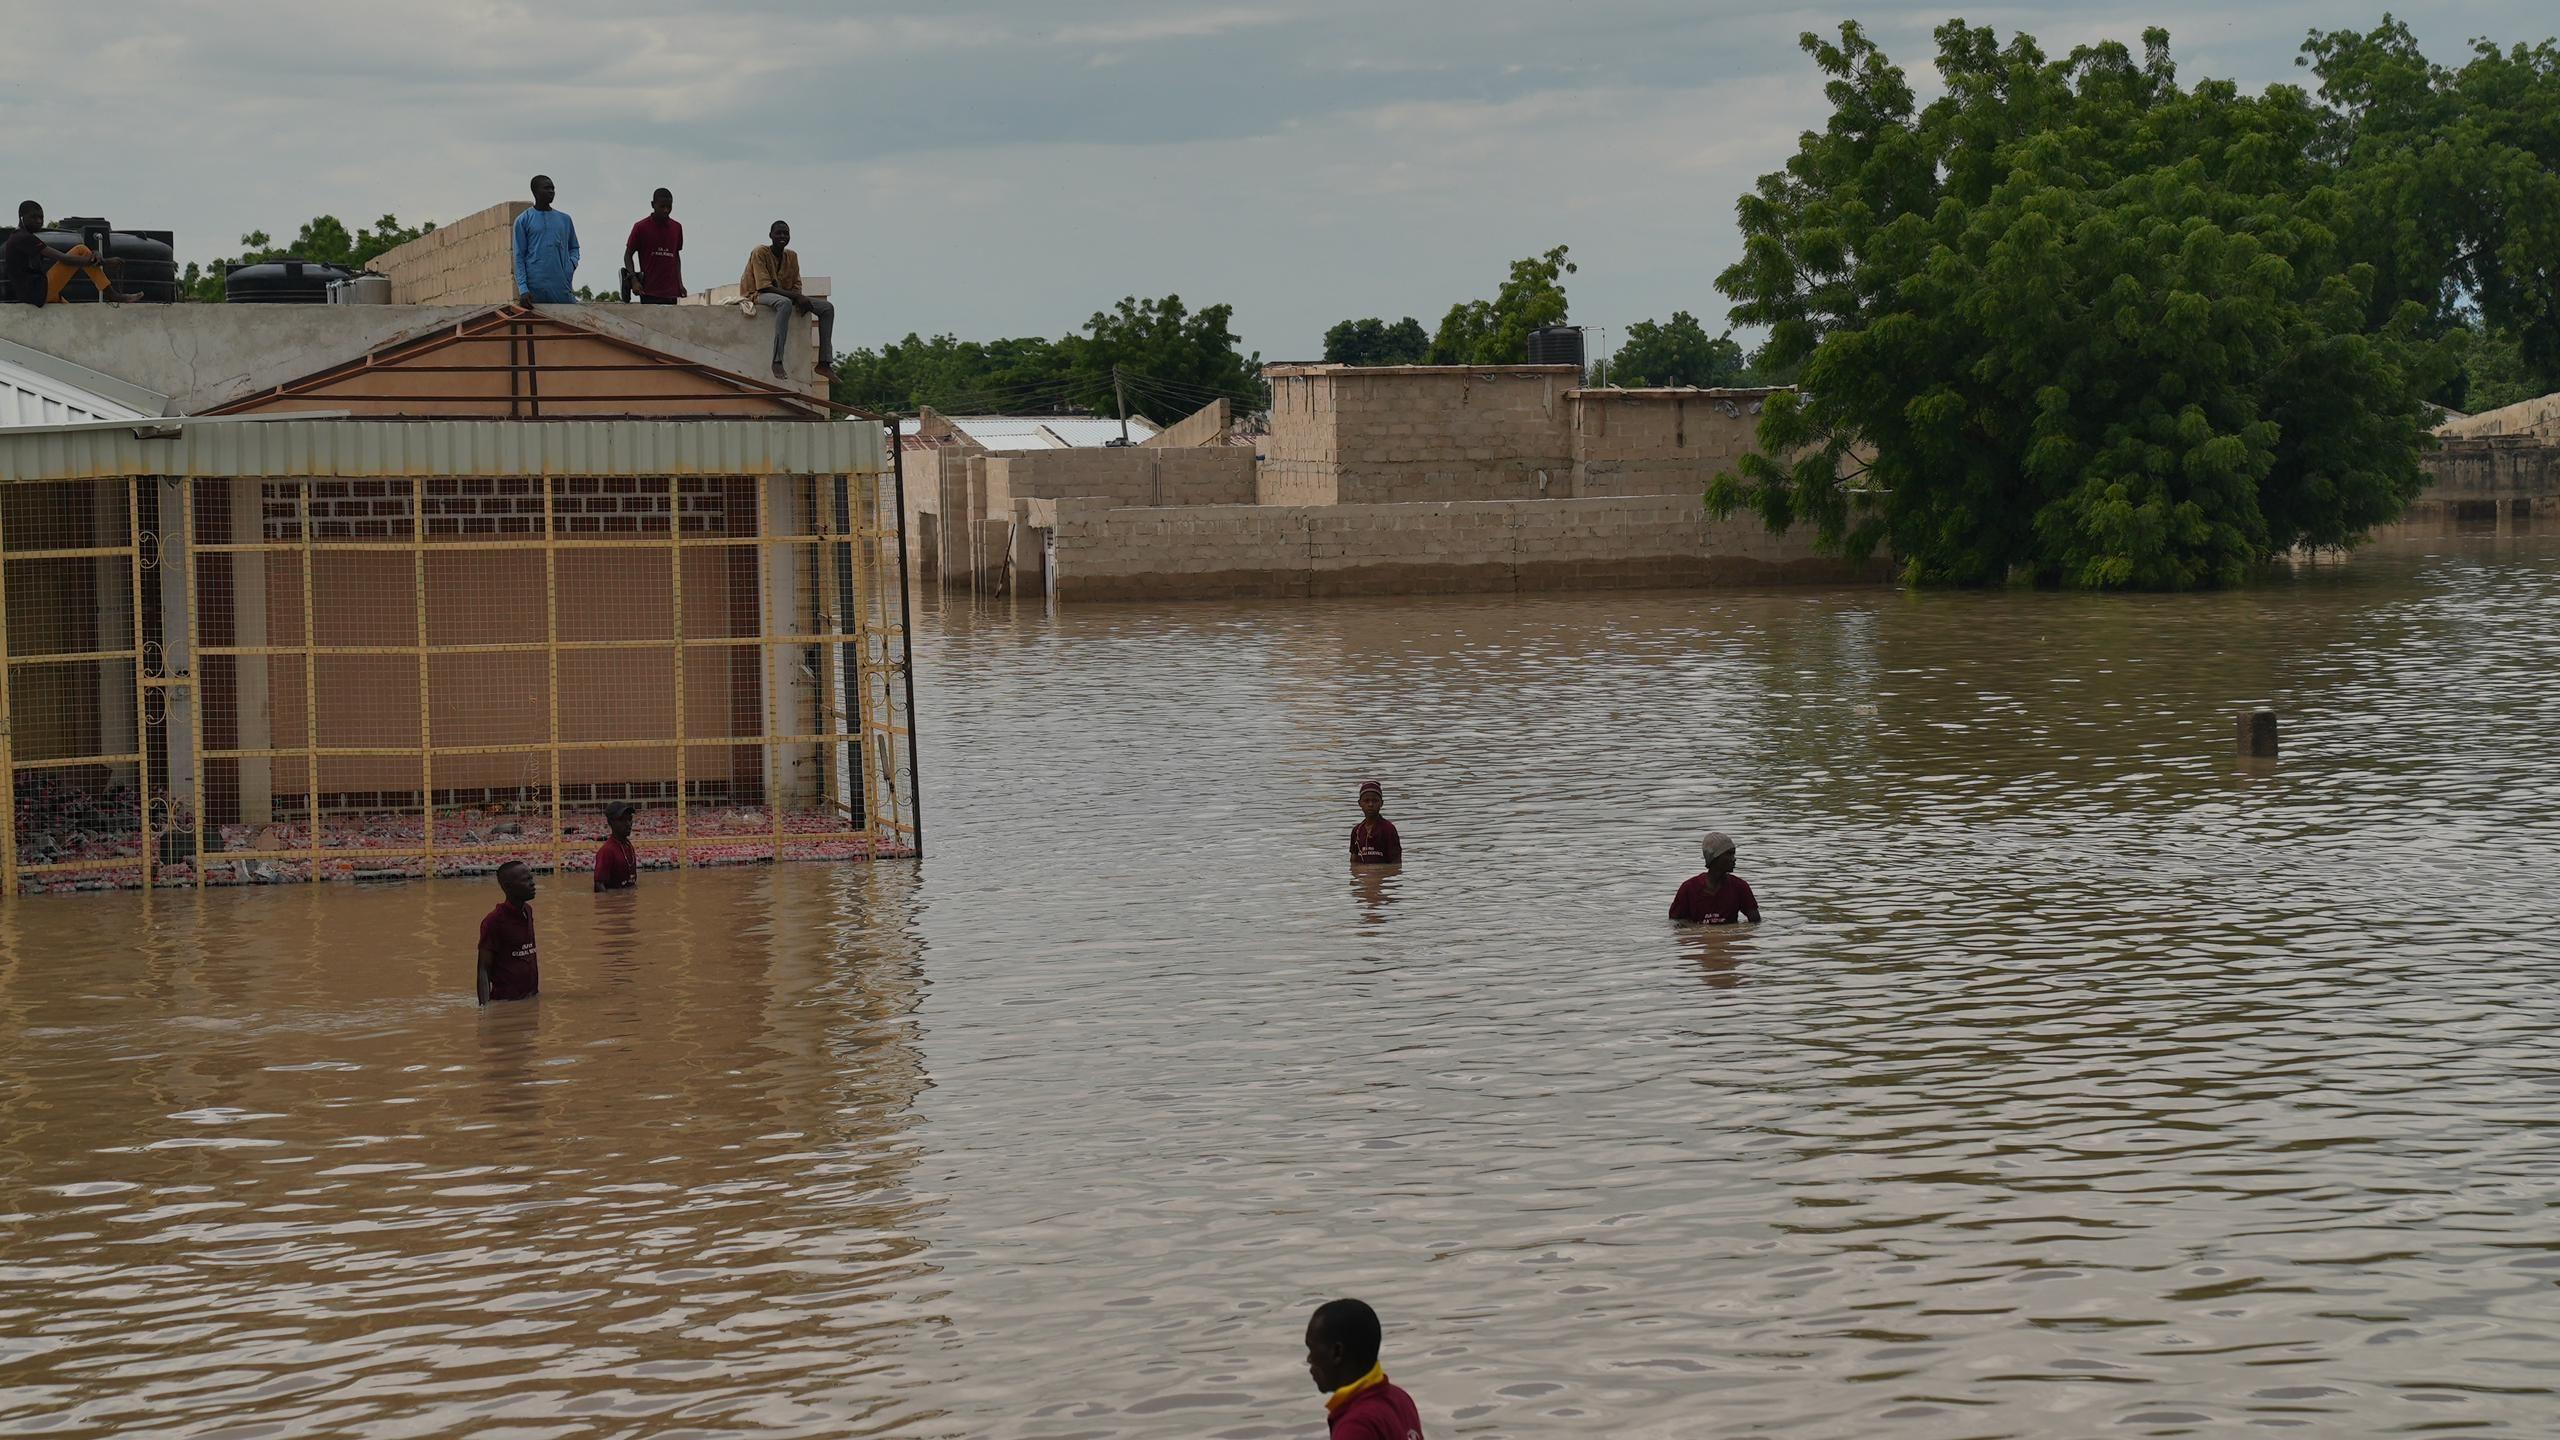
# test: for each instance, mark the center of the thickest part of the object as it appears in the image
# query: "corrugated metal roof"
(1045, 432)
(28, 398)
(339, 448)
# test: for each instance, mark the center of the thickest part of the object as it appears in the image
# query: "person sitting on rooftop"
(33, 273)
(772, 280)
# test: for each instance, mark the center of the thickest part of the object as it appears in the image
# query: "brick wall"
(1409, 433)
(1107, 552)
(1659, 442)
(1205, 426)
(469, 262)
(1125, 475)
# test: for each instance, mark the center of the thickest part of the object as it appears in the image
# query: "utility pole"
(1121, 393)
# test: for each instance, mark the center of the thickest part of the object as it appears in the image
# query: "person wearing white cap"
(1719, 897)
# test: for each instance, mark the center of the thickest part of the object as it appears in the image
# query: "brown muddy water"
(2084, 1080)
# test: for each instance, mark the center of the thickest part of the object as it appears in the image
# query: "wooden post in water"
(2258, 732)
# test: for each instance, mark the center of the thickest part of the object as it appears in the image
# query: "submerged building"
(303, 592)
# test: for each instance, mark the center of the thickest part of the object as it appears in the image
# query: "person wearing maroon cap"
(1361, 1403)
(1374, 840)
(1718, 897)
(509, 969)
(617, 864)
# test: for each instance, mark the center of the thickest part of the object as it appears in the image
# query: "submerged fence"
(248, 679)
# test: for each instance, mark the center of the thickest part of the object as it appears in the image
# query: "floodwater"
(2084, 1080)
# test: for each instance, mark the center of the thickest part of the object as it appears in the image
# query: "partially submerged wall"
(2504, 481)
(1372, 435)
(1660, 442)
(1124, 475)
(1107, 552)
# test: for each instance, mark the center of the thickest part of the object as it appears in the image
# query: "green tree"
(1677, 351)
(323, 238)
(2493, 372)
(1496, 331)
(2453, 179)
(955, 376)
(2071, 323)
(1169, 360)
(1375, 342)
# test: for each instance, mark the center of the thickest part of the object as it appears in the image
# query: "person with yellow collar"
(1361, 1403)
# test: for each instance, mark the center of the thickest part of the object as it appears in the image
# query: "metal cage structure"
(290, 649)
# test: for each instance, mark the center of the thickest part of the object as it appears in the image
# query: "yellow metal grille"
(248, 680)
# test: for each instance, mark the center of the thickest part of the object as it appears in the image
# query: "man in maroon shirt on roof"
(1374, 840)
(508, 968)
(617, 864)
(1343, 1338)
(657, 243)
(1718, 897)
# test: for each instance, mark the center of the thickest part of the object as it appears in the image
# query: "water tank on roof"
(281, 282)
(138, 262)
(1556, 345)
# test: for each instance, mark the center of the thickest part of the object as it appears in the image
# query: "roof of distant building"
(1045, 432)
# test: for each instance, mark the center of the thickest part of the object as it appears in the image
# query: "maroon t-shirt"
(1381, 1412)
(1375, 842)
(1700, 898)
(515, 973)
(617, 866)
(659, 240)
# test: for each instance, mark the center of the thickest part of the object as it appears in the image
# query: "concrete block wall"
(2538, 417)
(469, 262)
(1125, 475)
(1107, 552)
(1660, 442)
(1205, 426)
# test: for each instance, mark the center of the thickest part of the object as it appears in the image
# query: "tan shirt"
(763, 274)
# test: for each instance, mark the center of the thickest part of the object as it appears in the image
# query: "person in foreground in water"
(1719, 897)
(1361, 1403)
(617, 864)
(1374, 840)
(509, 969)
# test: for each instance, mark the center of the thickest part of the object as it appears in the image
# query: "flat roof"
(330, 449)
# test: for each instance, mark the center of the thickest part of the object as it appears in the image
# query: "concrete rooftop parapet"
(1677, 392)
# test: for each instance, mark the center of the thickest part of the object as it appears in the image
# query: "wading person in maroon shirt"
(653, 257)
(617, 864)
(1374, 840)
(1343, 1339)
(509, 969)
(1718, 897)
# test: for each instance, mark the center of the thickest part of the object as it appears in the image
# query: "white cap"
(1717, 843)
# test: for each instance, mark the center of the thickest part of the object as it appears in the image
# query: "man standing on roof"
(773, 281)
(546, 251)
(656, 251)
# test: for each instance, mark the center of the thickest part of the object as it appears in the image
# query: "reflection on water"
(2081, 1080)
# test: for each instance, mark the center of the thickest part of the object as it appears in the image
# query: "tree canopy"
(323, 238)
(2071, 323)
(1677, 351)
(1375, 342)
(1496, 331)
(1169, 360)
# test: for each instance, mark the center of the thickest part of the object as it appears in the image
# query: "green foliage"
(324, 239)
(2493, 373)
(1375, 342)
(1677, 351)
(2453, 179)
(1171, 361)
(2070, 323)
(1496, 331)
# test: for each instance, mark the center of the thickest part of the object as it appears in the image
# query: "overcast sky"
(1003, 167)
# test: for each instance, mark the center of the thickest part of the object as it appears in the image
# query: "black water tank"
(141, 262)
(1556, 345)
(281, 282)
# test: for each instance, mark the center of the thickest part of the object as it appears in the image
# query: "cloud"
(1007, 166)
